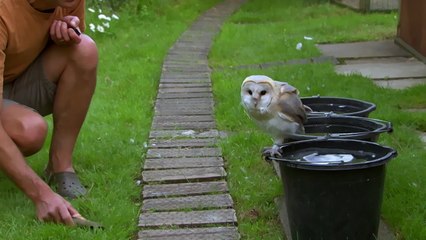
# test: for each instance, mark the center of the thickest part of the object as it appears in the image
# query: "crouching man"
(47, 66)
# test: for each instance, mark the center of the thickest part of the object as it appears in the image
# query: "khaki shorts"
(31, 89)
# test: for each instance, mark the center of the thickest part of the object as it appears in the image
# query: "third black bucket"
(333, 188)
(338, 105)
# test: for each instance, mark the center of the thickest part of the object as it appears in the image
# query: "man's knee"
(85, 54)
(29, 134)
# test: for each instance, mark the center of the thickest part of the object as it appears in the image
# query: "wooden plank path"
(185, 194)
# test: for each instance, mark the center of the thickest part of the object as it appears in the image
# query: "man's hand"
(65, 31)
(54, 208)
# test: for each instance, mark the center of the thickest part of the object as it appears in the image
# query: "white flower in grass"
(106, 24)
(102, 16)
(115, 16)
(100, 28)
(299, 46)
(92, 27)
(91, 10)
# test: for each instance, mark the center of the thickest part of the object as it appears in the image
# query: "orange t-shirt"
(24, 33)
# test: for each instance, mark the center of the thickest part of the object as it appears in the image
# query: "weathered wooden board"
(192, 218)
(170, 163)
(183, 175)
(183, 125)
(178, 119)
(183, 152)
(183, 133)
(214, 233)
(192, 142)
(188, 202)
(182, 189)
(165, 95)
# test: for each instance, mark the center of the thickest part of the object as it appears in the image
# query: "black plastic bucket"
(330, 196)
(341, 106)
(342, 127)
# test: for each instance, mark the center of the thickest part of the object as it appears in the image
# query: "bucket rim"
(391, 153)
(369, 106)
(382, 127)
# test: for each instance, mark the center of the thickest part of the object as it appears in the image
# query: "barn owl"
(275, 107)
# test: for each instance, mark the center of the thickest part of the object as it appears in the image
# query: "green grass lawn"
(268, 31)
(110, 151)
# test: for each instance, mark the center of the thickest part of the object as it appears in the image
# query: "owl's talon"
(274, 151)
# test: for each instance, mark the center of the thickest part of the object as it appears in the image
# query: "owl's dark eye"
(262, 92)
(250, 92)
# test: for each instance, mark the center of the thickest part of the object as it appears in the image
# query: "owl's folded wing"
(292, 109)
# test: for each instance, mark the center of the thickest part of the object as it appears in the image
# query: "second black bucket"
(333, 188)
(342, 127)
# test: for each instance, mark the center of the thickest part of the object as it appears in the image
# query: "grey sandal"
(67, 184)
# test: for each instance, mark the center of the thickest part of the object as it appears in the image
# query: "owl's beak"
(255, 100)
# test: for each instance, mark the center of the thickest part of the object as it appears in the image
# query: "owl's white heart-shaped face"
(256, 96)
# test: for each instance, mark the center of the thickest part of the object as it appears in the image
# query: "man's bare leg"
(73, 69)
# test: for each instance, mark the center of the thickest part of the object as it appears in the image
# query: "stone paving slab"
(423, 136)
(385, 48)
(171, 143)
(213, 233)
(193, 162)
(183, 133)
(188, 202)
(184, 175)
(415, 110)
(192, 218)
(183, 125)
(183, 152)
(184, 189)
(400, 83)
(376, 69)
